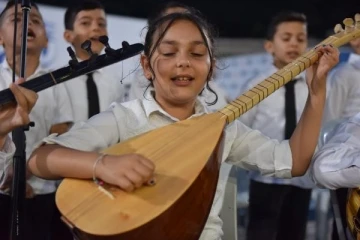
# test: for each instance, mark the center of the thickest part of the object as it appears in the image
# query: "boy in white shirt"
(94, 92)
(49, 114)
(271, 199)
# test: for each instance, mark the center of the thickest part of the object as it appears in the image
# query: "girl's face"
(181, 64)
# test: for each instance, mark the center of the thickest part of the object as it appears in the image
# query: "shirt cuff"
(8, 149)
(6, 157)
(47, 140)
(283, 160)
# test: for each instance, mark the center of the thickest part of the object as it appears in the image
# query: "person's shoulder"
(135, 105)
(354, 119)
(347, 66)
(345, 73)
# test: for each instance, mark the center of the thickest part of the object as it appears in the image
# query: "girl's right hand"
(129, 171)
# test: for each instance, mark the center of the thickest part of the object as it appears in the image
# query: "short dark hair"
(286, 16)
(10, 4)
(79, 6)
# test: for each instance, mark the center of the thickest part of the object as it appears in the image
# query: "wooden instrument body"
(353, 212)
(177, 207)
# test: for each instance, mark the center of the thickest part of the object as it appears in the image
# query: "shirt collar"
(39, 70)
(151, 106)
(100, 70)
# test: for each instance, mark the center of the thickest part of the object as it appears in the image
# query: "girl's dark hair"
(162, 7)
(160, 26)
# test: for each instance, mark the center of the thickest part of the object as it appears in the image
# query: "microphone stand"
(19, 161)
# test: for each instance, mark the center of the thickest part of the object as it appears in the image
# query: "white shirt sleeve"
(250, 147)
(96, 134)
(337, 97)
(63, 111)
(6, 159)
(337, 163)
(343, 100)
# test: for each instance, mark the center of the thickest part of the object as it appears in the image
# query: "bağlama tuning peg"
(87, 47)
(73, 62)
(125, 45)
(349, 24)
(357, 20)
(108, 50)
(338, 28)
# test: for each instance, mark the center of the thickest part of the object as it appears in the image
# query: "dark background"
(243, 18)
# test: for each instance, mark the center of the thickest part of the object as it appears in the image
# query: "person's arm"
(287, 158)
(13, 115)
(337, 163)
(254, 151)
(75, 153)
(304, 140)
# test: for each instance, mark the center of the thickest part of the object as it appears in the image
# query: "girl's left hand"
(316, 74)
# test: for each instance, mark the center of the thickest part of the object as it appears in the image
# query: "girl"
(178, 60)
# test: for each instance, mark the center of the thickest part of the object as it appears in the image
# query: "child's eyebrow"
(173, 42)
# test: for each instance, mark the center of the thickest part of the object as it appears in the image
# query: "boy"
(272, 200)
(49, 114)
(94, 92)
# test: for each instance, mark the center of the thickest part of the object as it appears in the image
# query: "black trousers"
(277, 212)
(38, 216)
(341, 196)
(59, 230)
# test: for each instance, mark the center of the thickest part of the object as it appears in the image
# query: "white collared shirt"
(52, 107)
(109, 87)
(337, 163)
(139, 85)
(353, 57)
(343, 99)
(269, 118)
(242, 146)
(6, 155)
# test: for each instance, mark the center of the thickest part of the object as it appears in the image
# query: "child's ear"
(145, 63)
(46, 42)
(269, 46)
(1, 39)
(69, 36)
